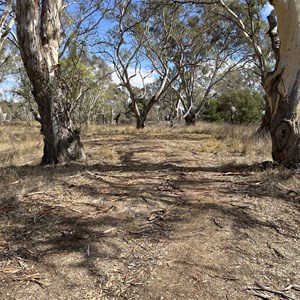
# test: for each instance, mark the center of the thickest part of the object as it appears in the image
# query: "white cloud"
(137, 80)
(267, 9)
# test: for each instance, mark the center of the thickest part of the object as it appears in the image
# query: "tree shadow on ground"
(91, 217)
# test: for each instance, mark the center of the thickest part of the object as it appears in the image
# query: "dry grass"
(213, 137)
(20, 143)
(182, 213)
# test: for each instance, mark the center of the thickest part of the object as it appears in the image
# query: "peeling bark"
(273, 34)
(38, 31)
(282, 85)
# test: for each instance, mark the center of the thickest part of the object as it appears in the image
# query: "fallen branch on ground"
(263, 288)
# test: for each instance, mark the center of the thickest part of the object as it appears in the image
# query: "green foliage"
(238, 106)
(212, 112)
(89, 84)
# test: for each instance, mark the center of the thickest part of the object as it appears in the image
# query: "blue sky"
(267, 9)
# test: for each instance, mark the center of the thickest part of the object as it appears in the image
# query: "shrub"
(237, 106)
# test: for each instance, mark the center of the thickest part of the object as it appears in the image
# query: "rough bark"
(140, 122)
(38, 31)
(273, 34)
(117, 117)
(190, 119)
(282, 85)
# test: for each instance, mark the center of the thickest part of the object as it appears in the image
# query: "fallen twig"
(292, 287)
(273, 225)
(144, 198)
(156, 215)
(87, 251)
(278, 253)
(31, 278)
(263, 288)
(261, 295)
(227, 278)
(217, 222)
(43, 192)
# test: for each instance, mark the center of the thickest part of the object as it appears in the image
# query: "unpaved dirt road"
(150, 217)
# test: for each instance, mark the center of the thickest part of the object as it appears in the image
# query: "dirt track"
(150, 217)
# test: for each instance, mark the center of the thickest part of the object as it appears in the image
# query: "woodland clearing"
(185, 213)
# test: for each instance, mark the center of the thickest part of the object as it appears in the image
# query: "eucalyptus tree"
(89, 83)
(43, 40)
(283, 85)
(139, 49)
(169, 109)
(39, 39)
(247, 17)
(210, 52)
(7, 22)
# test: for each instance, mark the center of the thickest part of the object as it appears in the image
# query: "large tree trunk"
(282, 85)
(140, 122)
(190, 118)
(141, 114)
(38, 30)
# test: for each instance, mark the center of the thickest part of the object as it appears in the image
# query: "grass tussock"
(20, 143)
(238, 139)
